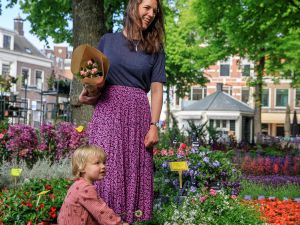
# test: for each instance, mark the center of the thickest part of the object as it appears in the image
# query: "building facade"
(28, 99)
(235, 73)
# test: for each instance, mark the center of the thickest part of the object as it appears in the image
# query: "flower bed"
(206, 169)
(278, 212)
(267, 165)
(23, 142)
(36, 201)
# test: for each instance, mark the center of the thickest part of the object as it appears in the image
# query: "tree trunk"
(88, 27)
(258, 95)
(168, 107)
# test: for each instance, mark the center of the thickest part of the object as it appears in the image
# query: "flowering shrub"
(278, 212)
(68, 139)
(260, 165)
(22, 141)
(24, 205)
(206, 168)
(211, 207)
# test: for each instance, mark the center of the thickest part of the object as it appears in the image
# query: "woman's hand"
(88, 100)
(151, 138)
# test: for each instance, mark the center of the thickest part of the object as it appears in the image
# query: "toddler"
(81, 205)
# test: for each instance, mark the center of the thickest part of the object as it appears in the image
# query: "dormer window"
(6, 41)
(28, 50)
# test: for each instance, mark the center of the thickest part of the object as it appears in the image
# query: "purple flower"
(216, 163)
(206, 159)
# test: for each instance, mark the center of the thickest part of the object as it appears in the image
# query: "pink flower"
(164, 152)
(171, 152)
(203, 198)
(233, 196)
(94, 71)
(155, 151)
(1, 136)
(90, 62)
(212, 192)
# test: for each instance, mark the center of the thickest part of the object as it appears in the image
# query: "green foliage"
(290, 191)
(213, 209)
(3, 139)
(183, 55)
(57, 17)
(197, 131)
(252, 29)
(206, 169)
(160, 215)
(42, 168)
(19, 206)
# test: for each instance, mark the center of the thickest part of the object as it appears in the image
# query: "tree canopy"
(53, 18)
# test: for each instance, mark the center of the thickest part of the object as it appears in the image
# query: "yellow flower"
(79, 129)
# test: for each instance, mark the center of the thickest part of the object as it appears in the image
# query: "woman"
(122, 123)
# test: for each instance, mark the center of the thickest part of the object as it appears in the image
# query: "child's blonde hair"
(82, 155)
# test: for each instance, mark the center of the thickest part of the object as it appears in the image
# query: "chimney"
(219, 87)
(18, 25)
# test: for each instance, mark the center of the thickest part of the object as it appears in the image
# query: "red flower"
(183, 146)
(48, 187)
(29, 222)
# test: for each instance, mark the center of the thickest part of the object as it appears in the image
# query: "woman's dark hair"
(151, 40)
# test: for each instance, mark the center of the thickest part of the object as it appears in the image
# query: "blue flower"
(193, 189)
(164, 165)
(206, 159)
(216, 163)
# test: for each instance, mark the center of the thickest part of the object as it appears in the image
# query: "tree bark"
(88, 27)
(258, 95)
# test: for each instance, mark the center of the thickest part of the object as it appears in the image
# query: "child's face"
(94, 170)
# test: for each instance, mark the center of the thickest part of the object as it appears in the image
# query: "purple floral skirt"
(120, 122)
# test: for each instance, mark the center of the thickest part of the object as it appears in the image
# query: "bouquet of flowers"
(91, 67)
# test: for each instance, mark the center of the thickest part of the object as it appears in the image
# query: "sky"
(7, 22)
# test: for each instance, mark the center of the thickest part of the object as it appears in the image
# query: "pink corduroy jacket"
(82, 207)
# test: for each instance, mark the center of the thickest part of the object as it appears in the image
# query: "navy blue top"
(128, 67)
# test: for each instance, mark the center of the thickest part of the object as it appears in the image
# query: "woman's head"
(144, 21)
(84, 156)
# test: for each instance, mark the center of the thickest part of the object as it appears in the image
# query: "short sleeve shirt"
(129, 67)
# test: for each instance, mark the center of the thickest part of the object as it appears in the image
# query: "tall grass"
(290, 191)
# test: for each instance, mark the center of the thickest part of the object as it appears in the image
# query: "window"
(6, 41)
(227, 90)
(211, 123)
(246, 70)
(218, 123)
(224, 70)
(265, 98)
(25, 76)
(265, 128)
(198, 93)
(297, 99)
(232, 125)
(224, 123)
(38, 79)
(5, 69)
(282, 96)
(245, 95)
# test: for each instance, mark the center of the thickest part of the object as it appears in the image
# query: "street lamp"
(25, 85)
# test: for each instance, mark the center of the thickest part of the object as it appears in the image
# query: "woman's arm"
(156, 104)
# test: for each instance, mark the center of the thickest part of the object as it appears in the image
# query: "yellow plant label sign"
(179, 166)
(43, 192)
(15, 172)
